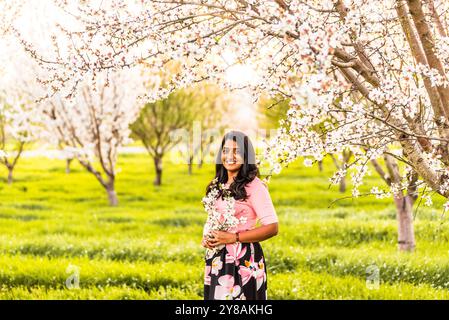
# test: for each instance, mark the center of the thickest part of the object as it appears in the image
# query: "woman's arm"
(255, 235)
(260, 233)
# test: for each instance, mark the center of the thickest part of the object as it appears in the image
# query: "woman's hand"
(206, 243)
(221, 237)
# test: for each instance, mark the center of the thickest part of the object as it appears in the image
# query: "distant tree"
(17, 129)
(95, 123)
(19, 118)
(212, 103)
(341, 164)
(159, 120)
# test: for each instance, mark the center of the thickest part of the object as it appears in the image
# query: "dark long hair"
(247, 172)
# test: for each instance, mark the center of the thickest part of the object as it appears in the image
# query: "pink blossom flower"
(226, 290)
(217, 264)
(253, 269)
(242, 297)
(235, 252)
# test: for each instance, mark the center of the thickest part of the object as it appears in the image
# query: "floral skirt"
(236, 272)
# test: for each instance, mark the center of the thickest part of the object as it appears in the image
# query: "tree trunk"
(112, 195)
(200, 163)
(67, 165)
(190, 164)
(10, 175)
(404, 207)
(158, 167)
(342, 188)
(320, 165)
(346, 156)
(404, 214)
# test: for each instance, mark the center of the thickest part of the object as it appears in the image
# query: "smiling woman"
(238, 270)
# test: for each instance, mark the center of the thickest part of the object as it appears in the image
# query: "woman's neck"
(231, 177)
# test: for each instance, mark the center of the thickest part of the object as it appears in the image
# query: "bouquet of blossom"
(216, 220)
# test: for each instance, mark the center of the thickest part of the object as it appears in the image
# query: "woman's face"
(231, 156)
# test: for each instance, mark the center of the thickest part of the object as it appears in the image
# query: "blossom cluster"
(217, 219)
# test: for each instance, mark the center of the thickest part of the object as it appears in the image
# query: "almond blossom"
(216, 219)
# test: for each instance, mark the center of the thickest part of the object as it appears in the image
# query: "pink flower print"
(207, 276)
(247, 271)
(260, 274)
(235, 253)
(217, 264)
(242, 297)
(253, 269)
(226, 290)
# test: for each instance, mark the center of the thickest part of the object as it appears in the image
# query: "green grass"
(149, 246)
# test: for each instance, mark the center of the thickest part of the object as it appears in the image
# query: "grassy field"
(149, 246)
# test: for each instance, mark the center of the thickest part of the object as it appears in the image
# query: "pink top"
(258, 206)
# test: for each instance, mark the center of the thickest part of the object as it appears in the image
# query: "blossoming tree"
(95, 123)
(8, 13)
(372, 75)
(19, 117)
(18, 127)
